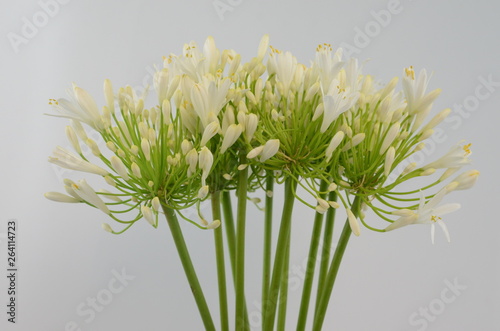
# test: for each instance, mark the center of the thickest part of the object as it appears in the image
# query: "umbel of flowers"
(220, 125)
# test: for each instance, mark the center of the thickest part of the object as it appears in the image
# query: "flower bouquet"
(330, 136)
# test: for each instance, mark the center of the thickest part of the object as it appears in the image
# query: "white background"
(65, 256)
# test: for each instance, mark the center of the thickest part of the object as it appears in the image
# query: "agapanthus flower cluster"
(325, 125)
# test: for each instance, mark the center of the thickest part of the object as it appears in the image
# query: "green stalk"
(187, 264)
(229, 225)
(311, 264)
(283, 299)
(286, 221)
(334, 268)
(241, 322)
(268, 231)
(231, 236)
(221, 268)
(325, 251)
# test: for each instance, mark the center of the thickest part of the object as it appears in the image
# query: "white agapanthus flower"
(427, 213)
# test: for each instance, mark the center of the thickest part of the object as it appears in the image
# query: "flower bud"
(214, 225)
(230, 136)
(210, 131)
(59, 197)
(334, 143)
(146, 149)
(155, 203)
(271, 147)
(389, 160)
(136, 170)
(466, 180)
(106, 227)
(250, 126)
(93, 147)
(203, 192)
(390, 137)
(119, 167)
(255, 152)
(73, 139)
(148, 214)
(353, 222)
(186, 146)
(205, 161)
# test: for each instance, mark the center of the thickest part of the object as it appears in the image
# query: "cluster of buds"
(214, 116)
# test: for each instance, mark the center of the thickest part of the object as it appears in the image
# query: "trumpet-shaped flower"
(457, 157)
(68, 160)
(427, 213)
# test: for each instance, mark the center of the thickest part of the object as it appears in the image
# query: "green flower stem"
(230, 235)
(187, 264)
(268, 231)
(284, 233)
(229, 226)
(325, 250)
(334, 268)
(221, 268)
(311, 264)
(283, 299)
(241, 321)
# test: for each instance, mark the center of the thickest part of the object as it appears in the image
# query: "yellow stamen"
(467, 149)
(410, 72)
(435, 218)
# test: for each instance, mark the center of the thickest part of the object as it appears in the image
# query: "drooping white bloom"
(87, 193)
(427, 213)
(59, 197)
(214, 225)
(155, 203)
(271, 147)
(203, 192)
(353, 222)
(68, 160)
(457, 157)
(232, 134)
(148, 214)
(210, 131)
(205, 162)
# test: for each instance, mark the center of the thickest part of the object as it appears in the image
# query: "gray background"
(65, 257)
